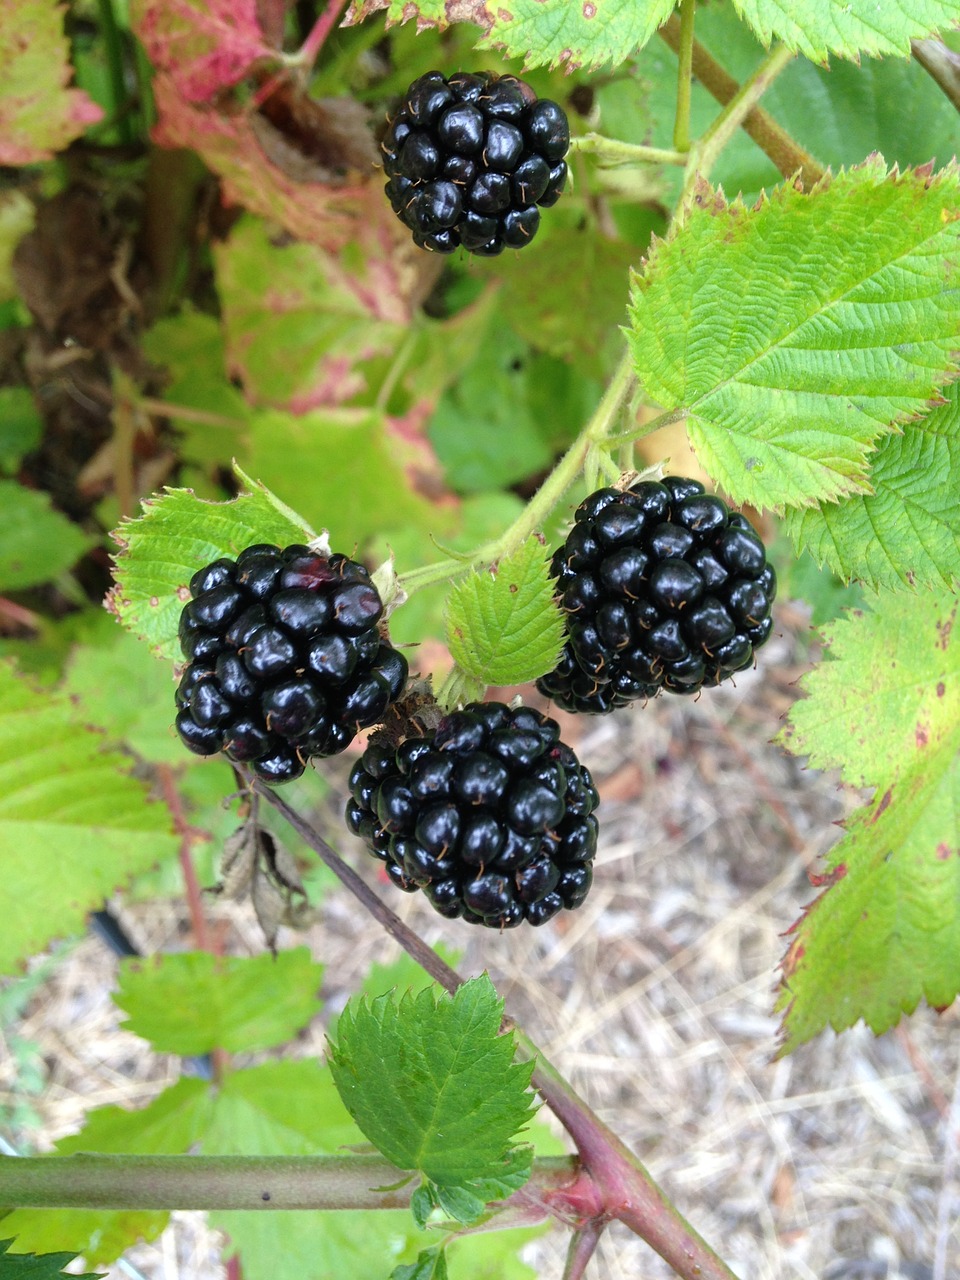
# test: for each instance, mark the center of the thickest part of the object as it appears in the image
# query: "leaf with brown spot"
(884, 934)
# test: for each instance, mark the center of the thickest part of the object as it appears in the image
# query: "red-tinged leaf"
(410, 448)
(39, 115)
(204, 45)
(300, 321)
(309, 209)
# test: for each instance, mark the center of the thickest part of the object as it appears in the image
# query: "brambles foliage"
(217, 334)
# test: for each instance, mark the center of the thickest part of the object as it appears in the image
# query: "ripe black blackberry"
(664, 588)
(490, 814)
(471, 159)
(286, 659)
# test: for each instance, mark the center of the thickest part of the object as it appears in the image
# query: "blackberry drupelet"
(664, 588)
(471, 159)
(285, 659)
(490, 814)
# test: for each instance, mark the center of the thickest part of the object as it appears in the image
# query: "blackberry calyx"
(469, 158)
(664, 588)
(286, 660)
(490, 814)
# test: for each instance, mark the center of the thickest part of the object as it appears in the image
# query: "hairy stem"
(785, 152)
(133, 1182)
(681, 127)
(942, 64)
(611, 151)
(706, 151)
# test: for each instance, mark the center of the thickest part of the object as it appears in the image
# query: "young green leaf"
(39, 115)
(432, 1083)
(503, 625)
(763, 325)
(36, 542)
(73, 825)
(906, 532)
(817, 28)
(47, 1266)
(431, 1264)
(193, 1002)
(169, 1125)
(178, 534)
(885, 933)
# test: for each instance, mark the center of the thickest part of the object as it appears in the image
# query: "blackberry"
(490, 814)
(285, 659)
(664, 588)
(469, 158)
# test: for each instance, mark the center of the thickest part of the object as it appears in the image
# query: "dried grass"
(655, 998)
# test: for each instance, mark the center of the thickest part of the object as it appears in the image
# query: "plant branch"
(307, 54)
(583, 1245)
(615, 1184)
(942, 64)
(134, 1182)
(785, 152)
(681, 127)
(707, 149)
(534, 514)
(611, 151)
(113, 45)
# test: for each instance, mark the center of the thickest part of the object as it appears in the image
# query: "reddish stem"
(321, 29)
(189, 836)
(613, 1183)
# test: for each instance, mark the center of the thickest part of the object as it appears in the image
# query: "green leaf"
(178, 534)
(17, 216)
(503, 625)
(454, 1100)
(292, 1108)
(577, 35)
(73, 825)
(885, 933)
(339, 465)
(539, 31)
(299, 321)
(118, 686)
(36, 542)
(764, 325)
(574, 273)
(43, 1266)
(907, 531)
(193, 1002)
(169, 1125)
(508, 413)
(431, 1264)
(192, 346)
(818, 27)
(38, 113)
(20, 423)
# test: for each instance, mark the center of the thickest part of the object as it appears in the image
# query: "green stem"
(398, 365)
(547, 496)
(704, 154)
(118, 88)
(785, 152)
(611, 151)
(648, 428)
(133, 1183)
(681, 128)
(942, 64)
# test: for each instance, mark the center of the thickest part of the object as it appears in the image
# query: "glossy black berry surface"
(469, 158)
(286, 660)
(664, 588)
(491, 815)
